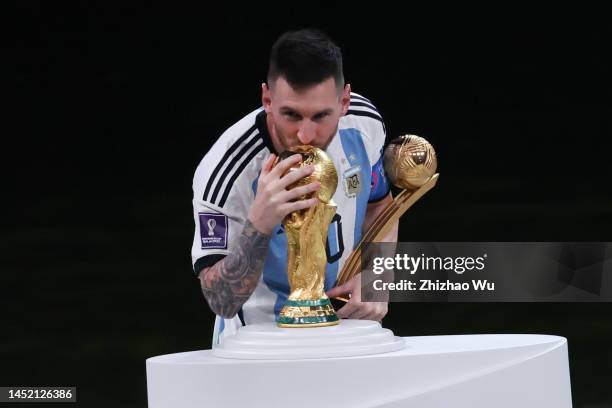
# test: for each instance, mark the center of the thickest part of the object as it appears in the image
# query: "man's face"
(306, 116)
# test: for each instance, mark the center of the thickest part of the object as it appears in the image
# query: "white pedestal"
(502, 371)
(266, 341)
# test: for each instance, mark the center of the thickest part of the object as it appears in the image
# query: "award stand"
(274, 367)
(309, 358)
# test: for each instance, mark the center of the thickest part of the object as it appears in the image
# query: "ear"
(346, 98)
(266, 100)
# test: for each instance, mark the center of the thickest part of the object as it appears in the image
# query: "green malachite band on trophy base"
(307, 303)
(307, 320)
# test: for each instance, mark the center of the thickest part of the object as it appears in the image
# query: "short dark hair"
(305, 58)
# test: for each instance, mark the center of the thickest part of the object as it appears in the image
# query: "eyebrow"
(289, 109)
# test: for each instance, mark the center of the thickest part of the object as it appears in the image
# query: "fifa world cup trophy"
(306, 230)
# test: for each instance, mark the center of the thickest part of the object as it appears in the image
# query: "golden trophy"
(307, 304)
(410, 162)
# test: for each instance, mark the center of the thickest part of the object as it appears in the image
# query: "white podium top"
(473, 371)
(266, 341)
(414, 346)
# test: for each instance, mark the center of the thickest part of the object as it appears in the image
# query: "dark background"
(112, 107)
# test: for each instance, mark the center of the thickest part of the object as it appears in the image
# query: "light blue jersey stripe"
(275, 265)
(355, 151)
(275, 269)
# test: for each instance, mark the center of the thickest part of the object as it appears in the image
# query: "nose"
(306, 132)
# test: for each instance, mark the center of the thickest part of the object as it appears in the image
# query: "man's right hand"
(273, 201)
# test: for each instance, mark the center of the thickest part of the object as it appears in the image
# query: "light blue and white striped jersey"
(225, 184)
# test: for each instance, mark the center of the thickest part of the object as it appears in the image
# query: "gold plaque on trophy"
(307, 304)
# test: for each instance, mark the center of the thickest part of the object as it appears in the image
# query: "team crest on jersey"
(213, 230)
(352, 181)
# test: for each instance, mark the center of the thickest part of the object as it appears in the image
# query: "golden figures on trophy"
(307, 304)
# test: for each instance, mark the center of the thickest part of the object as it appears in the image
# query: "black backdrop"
(114, 106)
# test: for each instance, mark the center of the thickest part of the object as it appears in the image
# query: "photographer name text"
(433, 285)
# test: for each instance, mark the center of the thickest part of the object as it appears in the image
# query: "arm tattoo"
(231, 281)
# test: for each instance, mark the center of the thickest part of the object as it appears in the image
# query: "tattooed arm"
(231, 281)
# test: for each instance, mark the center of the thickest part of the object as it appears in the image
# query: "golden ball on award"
(410, 161)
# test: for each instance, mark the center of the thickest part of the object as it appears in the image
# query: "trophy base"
(307, 313)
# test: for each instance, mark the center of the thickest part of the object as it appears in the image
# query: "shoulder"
(366, 123)
(236, 153)
(362, 113)
(240, 134)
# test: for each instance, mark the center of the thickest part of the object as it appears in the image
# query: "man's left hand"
(355, 308)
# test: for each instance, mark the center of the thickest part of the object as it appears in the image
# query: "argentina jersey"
(225, 184)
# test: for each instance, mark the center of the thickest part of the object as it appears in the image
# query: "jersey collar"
(262, 126)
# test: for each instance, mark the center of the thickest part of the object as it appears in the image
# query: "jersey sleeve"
(215, 226)
(222, 195)
(370, 123)
(212, 231)
(380, 186)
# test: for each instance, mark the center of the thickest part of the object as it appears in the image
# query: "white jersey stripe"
(257, 148)
(357, 96)
(354, 108)
(233, 166)
(367, 113)
(246, 137)
(357, 103)
(229, 167)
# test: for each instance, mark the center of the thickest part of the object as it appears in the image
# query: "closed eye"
(320, 116)
(292, 115)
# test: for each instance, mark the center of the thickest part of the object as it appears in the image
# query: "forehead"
(318, 97)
